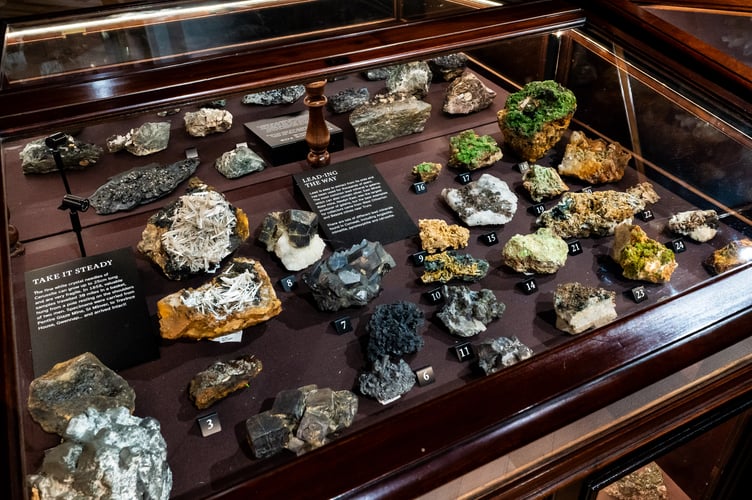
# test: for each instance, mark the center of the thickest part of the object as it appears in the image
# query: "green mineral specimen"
(640, 257)
(538, 103)
(471, 151)
(543, 183)
(541, 252)
(427, 171)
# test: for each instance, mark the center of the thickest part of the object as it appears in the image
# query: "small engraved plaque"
(464, 351)
(419, 258)
(489, 239)
(528, 286)
(463, 178)
(638, 293)
(435, 296)
(209, 424)
(537, 209)
(677, 245)
(419, 187)
(288, 283)
(575, 248)
(342, 325)
(645, 215)
(425, 376)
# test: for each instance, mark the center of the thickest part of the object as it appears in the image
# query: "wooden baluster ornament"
(317, 133)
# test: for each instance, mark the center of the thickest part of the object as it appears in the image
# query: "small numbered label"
(288, 283)
(191, 153)
(464, 351)
(528, 286)
(537, 209)
(209, 424)
(463, 177)
(425, 376)
(677, 245)
(523, 167)
(575, 248)
(638, 293)
(342, 325)
(645, 215)
(419, 187)
(419, 258)
(435, 296)
(489, 238)
(587, 189)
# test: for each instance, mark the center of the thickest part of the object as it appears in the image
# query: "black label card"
(93, 304)
(354, 203)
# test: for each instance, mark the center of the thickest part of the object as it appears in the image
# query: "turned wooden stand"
(317, 133)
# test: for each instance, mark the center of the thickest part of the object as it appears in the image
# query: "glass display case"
(98, 72)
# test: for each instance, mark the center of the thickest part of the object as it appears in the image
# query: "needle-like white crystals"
(230, 294)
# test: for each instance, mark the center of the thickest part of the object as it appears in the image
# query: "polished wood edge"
(737, 5)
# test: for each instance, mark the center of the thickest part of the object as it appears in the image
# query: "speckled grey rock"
(141, 185)
(149, 138)
(347, 100)
(387, 381)
(207, 121)
(239, 162)
(412, 78)
(376, 74)
(286, 95)
(106, 454)
(467, 94)
(500, 353)
(36, 157)
(449, 66)
(486, 201)
(386, 117)
(394, 329)
(466, 312)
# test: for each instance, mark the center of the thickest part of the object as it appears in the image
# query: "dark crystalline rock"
(301, 420)
(141, 185)
(394, 330)
(699, 225)
(386, 117)
(73, 386)
(350, 277)
(580, 307)
(347, 100)
(36, 157)
(467, 94)
(239, 162)
(486, 201)
(449, 66)
(377, 73)
(207, 121)
(466, 312)
(149, 138)
(500, 353)
(387, 381)
(293, 237)
(446, 266)
(106, 454)
(286, 95)
(412, 78)
(222, 378)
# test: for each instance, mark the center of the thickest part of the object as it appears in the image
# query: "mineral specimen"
(394, 330)
(500, 353)
(449, 66)
(141, 185)
(377, 73)
(427, 171)
(535, 118)
(106, 454)
(580, 307)
(437, 235)
(36, 157)
(70, 387)
(541, 252)
(486, 201)
(239, 162)
(240, 296)
(593, 160)
(222, 378)
(543, 183)
(466, 312)
(387, 381)
(292, 236)
(699, 225)
(347, 100)
(146, 139)
(349, 277)
(467, 94)
(449, 265)
(582, 215)
(194, 233)
(386, 117)
(646, 483)
(412, 78)
(735, 254)
(207, 121)
(301, 420)
(640, 257)
(470, 151)
(286, 95)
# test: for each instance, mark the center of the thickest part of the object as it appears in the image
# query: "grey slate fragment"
(36, 157)
(466, 312)
(394, 330)
(286, 95)
(141, 185)
(239, 162)
(149, 138)
(387, 380)
(500, 353)
(376, 74)
(387, 117)
(347, 100)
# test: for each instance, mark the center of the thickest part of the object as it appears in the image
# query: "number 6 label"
(425, 376)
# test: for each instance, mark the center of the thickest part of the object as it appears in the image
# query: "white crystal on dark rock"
(239, 162)
(36, 157)
(70, 387)
(389, 116)
(466, 312)
(149, 138)
(347, 100)
(141, 185)
(412, 78)
(286, 95)
(387, 381)
(467, 94)
(699, 225)
(394, 330)
(449, 66)
(106, 454)
(487, 201)
(500, 353)
(580, 307)
(207, 121)
(350, 277)
(292, 236)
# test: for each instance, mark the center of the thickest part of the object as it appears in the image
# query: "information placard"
(93, 304)
(354, 202)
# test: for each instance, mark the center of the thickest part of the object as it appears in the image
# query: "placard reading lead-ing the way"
(355, 203)
(93, 304)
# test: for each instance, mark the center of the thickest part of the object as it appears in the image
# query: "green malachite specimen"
(427, 171)
(471, 151)
(640, 257)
